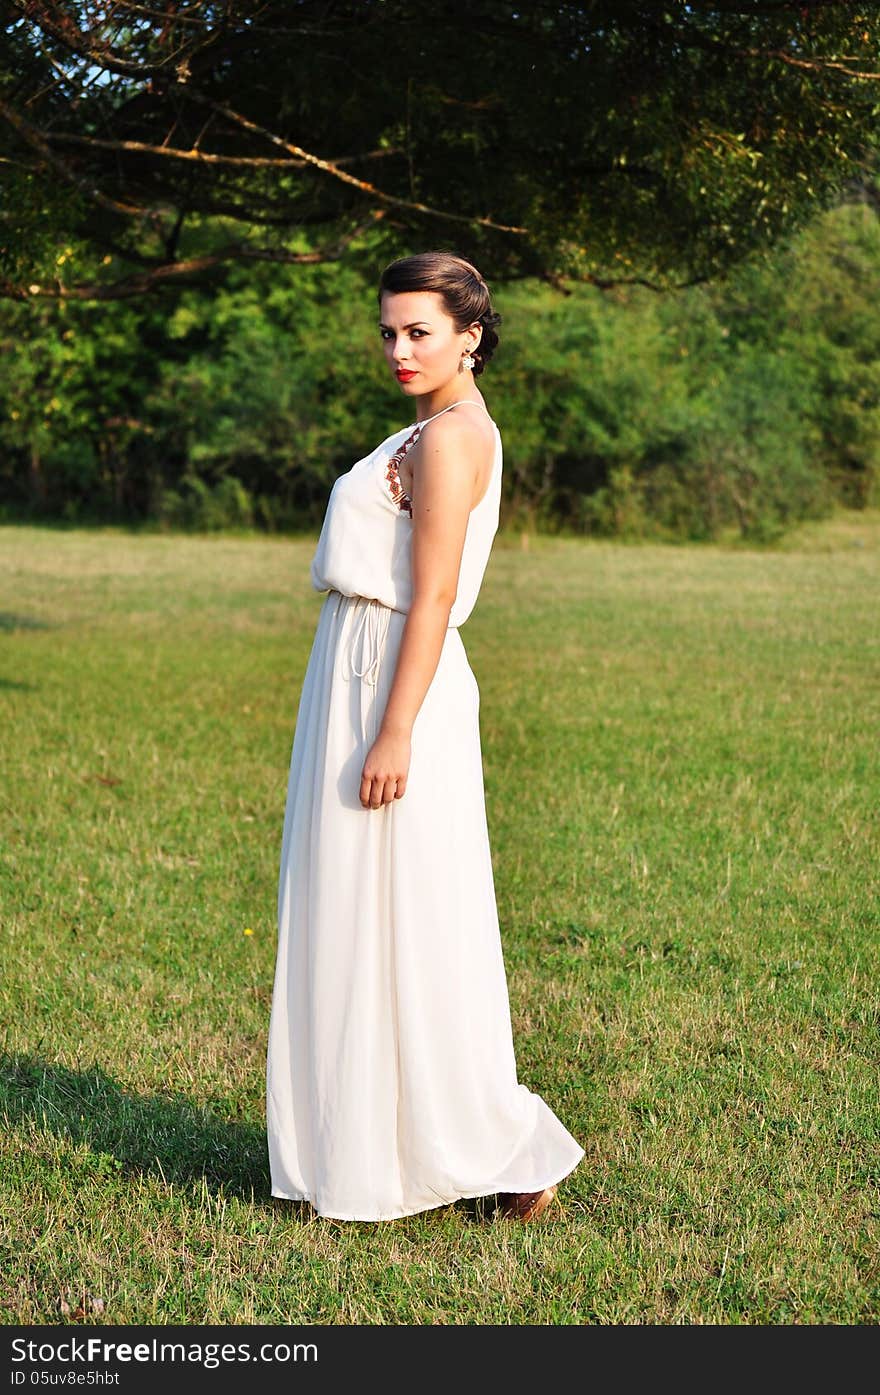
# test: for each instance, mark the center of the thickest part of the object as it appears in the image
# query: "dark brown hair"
(462, 289)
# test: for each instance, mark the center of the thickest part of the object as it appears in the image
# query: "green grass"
(680, 750)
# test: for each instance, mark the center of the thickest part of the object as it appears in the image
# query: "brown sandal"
(526, 1206)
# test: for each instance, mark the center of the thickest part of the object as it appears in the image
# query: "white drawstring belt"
(371, 628)
(364, 650)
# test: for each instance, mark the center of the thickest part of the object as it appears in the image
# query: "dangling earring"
(467, 363)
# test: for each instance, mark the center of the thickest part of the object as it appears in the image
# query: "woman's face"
(422, 346)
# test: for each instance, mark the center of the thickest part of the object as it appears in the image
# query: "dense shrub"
(739, 407)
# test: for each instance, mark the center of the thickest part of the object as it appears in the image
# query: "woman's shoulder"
(464, 425)
(462, 444)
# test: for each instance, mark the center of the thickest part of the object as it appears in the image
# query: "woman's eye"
(385, 333)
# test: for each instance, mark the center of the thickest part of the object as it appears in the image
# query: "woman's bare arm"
(449, 461)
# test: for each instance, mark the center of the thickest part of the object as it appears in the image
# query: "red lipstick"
(404, 375)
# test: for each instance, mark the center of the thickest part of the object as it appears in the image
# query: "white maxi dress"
(391, 1077)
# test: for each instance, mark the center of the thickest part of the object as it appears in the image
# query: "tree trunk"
(36, 479)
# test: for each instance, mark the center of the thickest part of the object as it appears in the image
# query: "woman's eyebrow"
(415, 325)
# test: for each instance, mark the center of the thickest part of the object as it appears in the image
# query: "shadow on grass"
(162, 1135)
(10, 621)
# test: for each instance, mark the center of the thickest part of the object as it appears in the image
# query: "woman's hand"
(385, 770)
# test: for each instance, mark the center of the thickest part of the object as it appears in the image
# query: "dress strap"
(462, 402)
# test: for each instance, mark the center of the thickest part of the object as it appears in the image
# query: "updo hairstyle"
(462, 289)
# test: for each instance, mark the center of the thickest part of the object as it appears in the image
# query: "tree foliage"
(610, 142)
(734, 408)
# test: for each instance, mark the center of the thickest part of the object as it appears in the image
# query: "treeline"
(739, 407)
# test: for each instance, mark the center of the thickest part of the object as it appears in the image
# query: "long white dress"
(391, 1078)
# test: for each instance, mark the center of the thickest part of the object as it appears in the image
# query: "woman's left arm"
(442, 492)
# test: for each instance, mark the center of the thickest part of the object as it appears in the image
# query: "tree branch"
(74, 38)
(818, 65)
(328, 167)
(34, 138)
(197, 156)
(167, 273)
(65, 31)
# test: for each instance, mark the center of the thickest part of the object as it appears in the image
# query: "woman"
(391, 1077)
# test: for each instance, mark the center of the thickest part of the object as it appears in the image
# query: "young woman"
(391, 1078)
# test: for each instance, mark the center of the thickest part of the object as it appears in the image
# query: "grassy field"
(681, 761)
